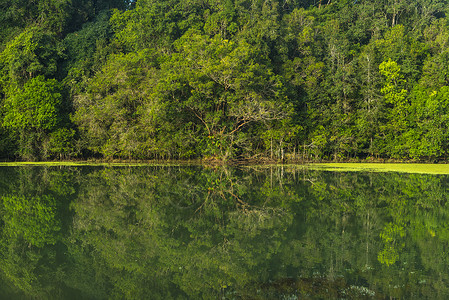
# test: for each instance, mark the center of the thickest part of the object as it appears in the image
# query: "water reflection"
(233, 233)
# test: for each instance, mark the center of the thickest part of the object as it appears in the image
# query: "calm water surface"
(221, 233)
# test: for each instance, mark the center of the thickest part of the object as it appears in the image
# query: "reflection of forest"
(249, 233)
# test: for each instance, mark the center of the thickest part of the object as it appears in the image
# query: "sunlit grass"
(19, 164)
(92, 163)
(384, 167)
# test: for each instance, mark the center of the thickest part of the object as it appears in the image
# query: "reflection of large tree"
(202, 232)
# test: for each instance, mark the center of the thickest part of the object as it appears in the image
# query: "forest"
(224, 79)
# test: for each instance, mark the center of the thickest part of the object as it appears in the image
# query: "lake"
(193, 232)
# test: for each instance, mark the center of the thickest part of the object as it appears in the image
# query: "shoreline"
(399, 167)
(232, 162)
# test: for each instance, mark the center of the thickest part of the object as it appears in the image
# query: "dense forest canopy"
(170, 79)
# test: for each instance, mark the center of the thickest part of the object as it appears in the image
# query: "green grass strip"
(384, 167)
(88, 163)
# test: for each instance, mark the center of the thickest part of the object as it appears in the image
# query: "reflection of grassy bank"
(378, 167)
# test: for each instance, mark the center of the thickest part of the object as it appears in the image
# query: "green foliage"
(429, 108)
(62, 142)
(32, 53)
(31, 113)
(109, 114)
(393, 92)
(80, 50)
(219, 84)
(35, 106)
(229, 79)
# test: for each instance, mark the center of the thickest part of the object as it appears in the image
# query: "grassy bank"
(384, 167)
(98, 163)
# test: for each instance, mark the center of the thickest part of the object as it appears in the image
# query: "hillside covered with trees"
(171, 79)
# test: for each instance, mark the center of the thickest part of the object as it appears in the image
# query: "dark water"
(221, 233)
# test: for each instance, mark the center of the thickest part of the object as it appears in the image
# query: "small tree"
(32, 112)
(393, 92)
